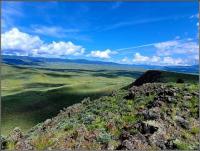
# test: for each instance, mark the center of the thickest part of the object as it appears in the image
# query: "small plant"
(87, 119)
(186, 135)
(195, 130)
(129, 118)
(181, 145)
(104, 137)
(10, 145)
(42, 142)
(67, 126)
(97, 124)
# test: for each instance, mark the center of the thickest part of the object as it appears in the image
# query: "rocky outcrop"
(150, 116)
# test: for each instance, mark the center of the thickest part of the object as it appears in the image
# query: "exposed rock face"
(150, 116)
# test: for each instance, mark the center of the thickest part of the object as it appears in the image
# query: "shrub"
(10, 145)
(97, 124)
(42, 142)
(104, 137)
(181, 145)
(195, 130)
(88, 119)
(129, 118)
(67, 126)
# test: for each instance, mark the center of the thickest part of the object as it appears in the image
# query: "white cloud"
(60, 49)
(198, 24)
(16, 40)
(166, 45)
(102, 54)
(18, 43)
(156, 60)
(172, 61)
(177, 47)
(140, 58)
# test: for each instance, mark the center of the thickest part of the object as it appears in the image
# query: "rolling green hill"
(153, 116)
(31, 94)
(165, 77)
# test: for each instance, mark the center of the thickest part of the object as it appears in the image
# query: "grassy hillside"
(150, 117)
(31, 94)
(166, 77)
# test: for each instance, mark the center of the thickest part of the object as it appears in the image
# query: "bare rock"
(128, 145)
(182, 122)
(15, 135)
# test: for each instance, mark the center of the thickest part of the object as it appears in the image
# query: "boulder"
(182, 122)
(15, 135)
(127, 145)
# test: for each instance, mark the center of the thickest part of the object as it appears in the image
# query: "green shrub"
(97, 124)
(88, 118)
(181, 145)
(104, 137)
(10, 145)
(42, 142)
(67, 126)
(129, 118)
(195, 130)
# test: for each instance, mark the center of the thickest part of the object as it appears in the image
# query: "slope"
(150, 116)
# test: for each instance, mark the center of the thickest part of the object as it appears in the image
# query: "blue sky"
(160, 33)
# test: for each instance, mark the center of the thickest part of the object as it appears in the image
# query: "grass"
(100, 123)
(174, 76)
(42, 142)
(32, 94)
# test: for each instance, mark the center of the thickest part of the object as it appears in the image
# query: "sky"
(153, 33)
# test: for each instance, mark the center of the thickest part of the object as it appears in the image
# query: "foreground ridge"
(150, 116)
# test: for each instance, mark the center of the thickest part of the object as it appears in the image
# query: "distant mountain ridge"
(27, 60)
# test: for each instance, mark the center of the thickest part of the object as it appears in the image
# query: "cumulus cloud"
(172, 52)
(177, 47)
(156, 60)
(101, 54)
(140, 58)
(172, 61)
(15, 42)
(60, 49)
